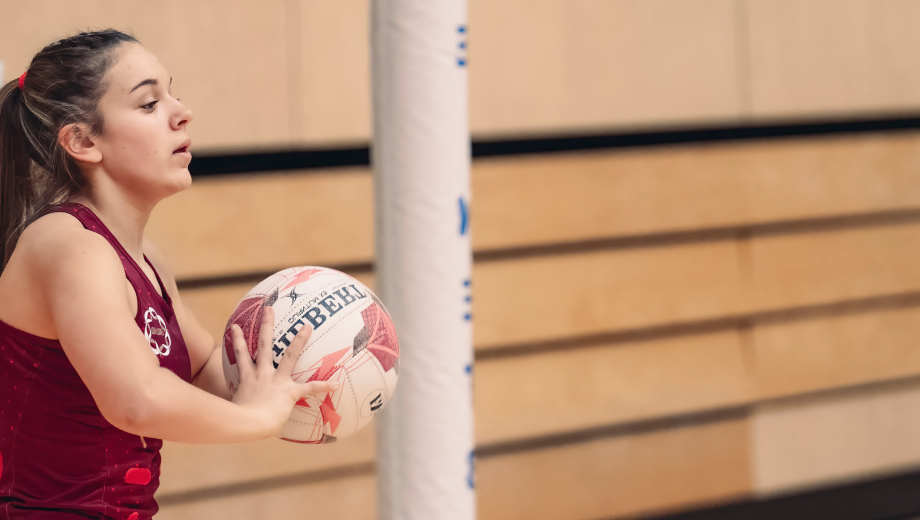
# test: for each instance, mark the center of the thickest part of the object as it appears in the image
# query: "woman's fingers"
(318, 387)
(264, 352)
(293, 351)
(238, 343)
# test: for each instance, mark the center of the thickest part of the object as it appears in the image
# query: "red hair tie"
(22, 79)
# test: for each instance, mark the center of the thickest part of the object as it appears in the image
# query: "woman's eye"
(150, 106)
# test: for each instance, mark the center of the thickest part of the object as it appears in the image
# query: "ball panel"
(305, 423)
(366, 377)
(381, 336)
(248, 315)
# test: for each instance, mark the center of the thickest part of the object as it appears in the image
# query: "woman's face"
(145, 143)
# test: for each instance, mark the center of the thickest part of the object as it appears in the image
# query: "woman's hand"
(270, 392)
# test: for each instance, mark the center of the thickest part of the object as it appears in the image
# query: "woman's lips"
(183, 153)
(183, 148)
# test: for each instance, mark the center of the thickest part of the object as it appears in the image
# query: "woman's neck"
(126, 219)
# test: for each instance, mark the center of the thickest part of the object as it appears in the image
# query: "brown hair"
(63, 86)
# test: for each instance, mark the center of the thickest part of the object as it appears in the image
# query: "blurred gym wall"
(682, 316)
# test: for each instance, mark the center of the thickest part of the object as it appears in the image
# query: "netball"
(353, 343)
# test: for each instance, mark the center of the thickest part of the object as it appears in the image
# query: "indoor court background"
(696, 229)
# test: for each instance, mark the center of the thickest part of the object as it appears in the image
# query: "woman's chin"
(184, 181)
(179, 181)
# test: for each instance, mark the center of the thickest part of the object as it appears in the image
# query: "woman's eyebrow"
(148, 81)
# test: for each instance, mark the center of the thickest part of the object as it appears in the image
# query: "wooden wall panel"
(618, 476)
(193, 466)
(832, 57)
(335, 71)
(214, 305)
(556, 392)
(351, 498)
(237, 85)
(815, 268)
(266, 223)
(544, 199)
(820, 353)
(822, 442)
(562, 296)
(552, 65)
(568, 197)
(821, 177)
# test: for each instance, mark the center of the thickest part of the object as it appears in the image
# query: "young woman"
(99, 358)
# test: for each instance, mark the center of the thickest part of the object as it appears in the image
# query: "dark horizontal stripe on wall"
(892, 498)
(284, 160)
(714, 134)
(305, 159)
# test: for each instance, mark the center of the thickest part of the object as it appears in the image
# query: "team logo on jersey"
(156, 332)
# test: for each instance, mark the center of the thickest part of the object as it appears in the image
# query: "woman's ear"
(78, 144)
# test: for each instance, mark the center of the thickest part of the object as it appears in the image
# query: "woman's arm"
(203, 353)
(84, 286)
(211, 376)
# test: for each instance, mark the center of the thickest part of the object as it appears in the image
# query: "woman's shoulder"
(57, 242)
(56, 260)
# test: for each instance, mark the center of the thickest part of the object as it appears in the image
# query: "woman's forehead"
(134, 65)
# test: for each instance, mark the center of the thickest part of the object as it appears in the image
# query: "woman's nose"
(183, 117)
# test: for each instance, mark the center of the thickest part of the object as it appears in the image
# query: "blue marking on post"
(469, 477)
(462, 45)
(461, 62)
(469, 369)
(461, 29)
(464, 212)
(467, 316)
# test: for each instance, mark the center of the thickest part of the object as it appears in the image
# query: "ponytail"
(17, 192)
(64, 84)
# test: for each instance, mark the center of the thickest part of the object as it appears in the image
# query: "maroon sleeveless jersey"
(59, 458)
